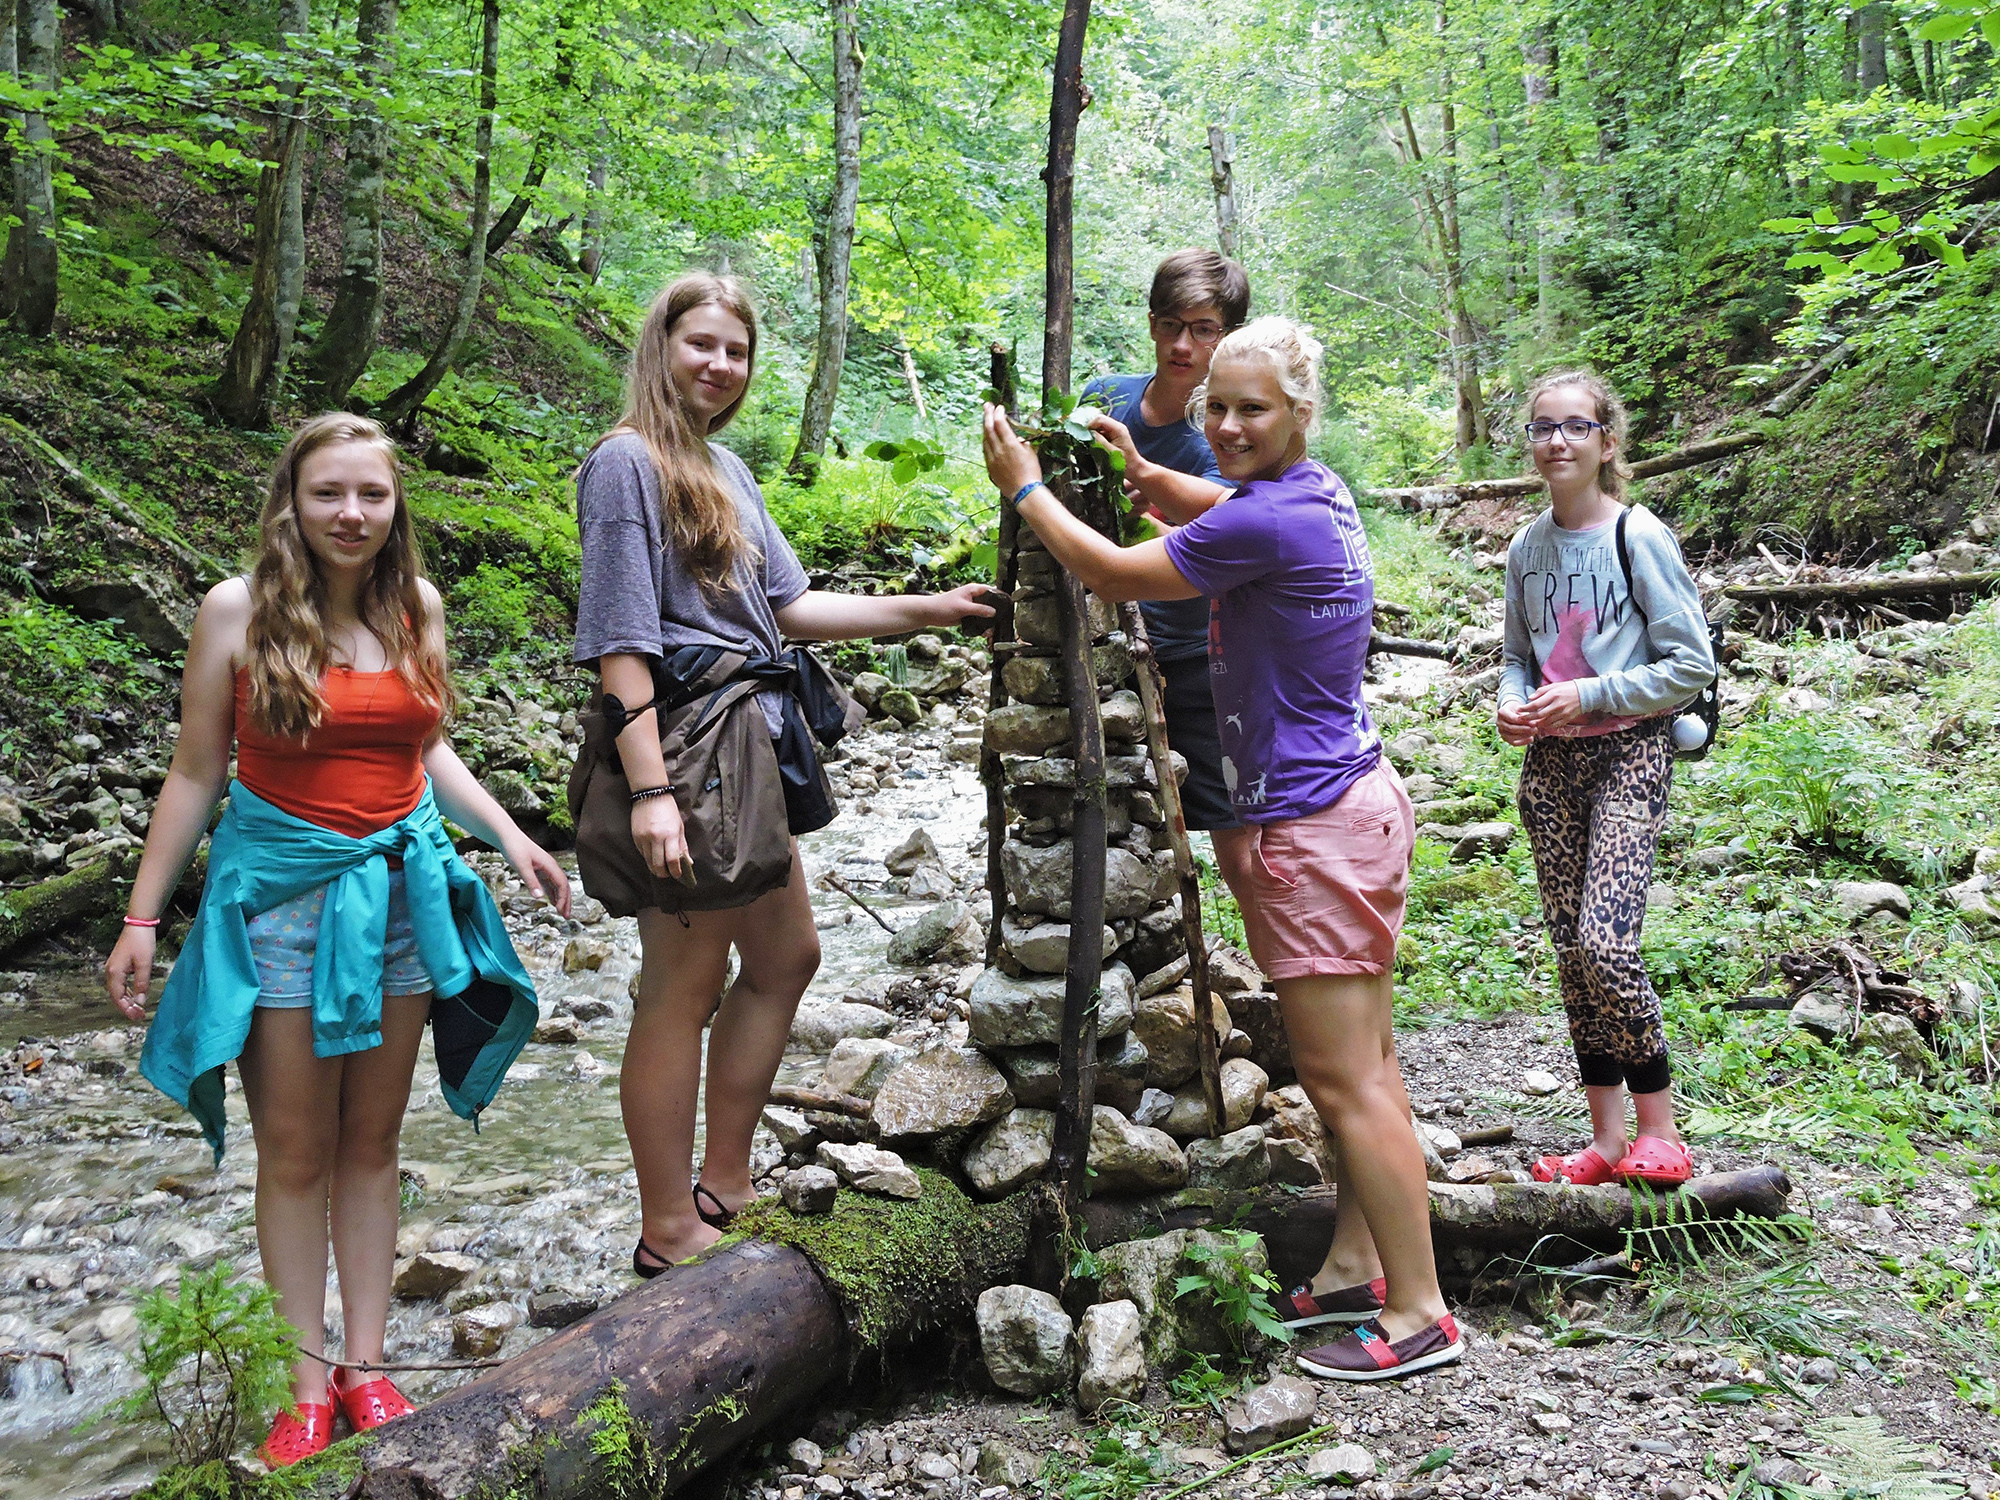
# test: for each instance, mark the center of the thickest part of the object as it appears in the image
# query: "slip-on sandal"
(372, 1403)
(640, 1269)
(300, 1432)
(1367, 1353)
(1302, 1307)
(715, 1213)
(1661, 1162)
(1587, 1168)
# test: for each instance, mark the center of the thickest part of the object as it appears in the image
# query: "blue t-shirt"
(1178, 628)
(1285, 564)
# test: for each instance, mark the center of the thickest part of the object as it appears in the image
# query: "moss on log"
(37, 910)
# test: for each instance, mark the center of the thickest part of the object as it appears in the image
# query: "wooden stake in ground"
(1222, 174)
(1077, 1068)
(1152, 696)
(991, 771)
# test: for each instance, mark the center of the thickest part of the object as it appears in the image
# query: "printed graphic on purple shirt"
(1291, 588)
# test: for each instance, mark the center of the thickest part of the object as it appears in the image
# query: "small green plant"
(907, 457)
(895, 661)
(1239, 1291)
(1817, 773)
(216, 1357)
(1202, 1385)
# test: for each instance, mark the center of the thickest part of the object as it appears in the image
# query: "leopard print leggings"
(1593, 808)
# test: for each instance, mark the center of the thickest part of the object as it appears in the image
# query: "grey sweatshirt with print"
(1648, 659)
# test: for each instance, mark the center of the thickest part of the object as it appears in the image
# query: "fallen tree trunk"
(1783, 403)
(62, 901)
(1708, 451)
(1469, 1225)
(792, 1097)
(685, 1369)
(1401, 645)
(1860, 591)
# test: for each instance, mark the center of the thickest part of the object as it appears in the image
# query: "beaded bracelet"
(645, 792)
(142, 921)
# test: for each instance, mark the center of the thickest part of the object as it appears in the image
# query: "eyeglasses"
(1203, 333)
(1576, 429)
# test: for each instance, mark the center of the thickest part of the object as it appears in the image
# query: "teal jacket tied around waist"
(483, 1010)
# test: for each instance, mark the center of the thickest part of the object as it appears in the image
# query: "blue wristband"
(1023, 492)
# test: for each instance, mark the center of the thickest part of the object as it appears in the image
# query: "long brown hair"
(701, 520)
(1614, 470)
(288, 647)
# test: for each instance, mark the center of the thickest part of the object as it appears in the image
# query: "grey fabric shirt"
(637, 598)
(1569, 618)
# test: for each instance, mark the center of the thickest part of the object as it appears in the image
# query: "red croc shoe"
(298, 1433)
(1659, 1162)
(1586, 1169)
(374, 1402)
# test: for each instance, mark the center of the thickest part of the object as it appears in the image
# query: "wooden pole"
(1152, 696)
(1077, 1066)
(1222, 173)
(990, 770)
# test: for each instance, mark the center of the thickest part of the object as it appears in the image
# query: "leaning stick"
(1152, 696)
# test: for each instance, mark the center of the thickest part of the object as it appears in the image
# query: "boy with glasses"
(1196, 298)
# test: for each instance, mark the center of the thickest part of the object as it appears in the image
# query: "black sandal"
(643, 1271)
(719, 1216)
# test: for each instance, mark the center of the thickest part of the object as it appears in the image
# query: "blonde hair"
(288, 648)
(698, 511)
(1614, 470)
(1291, 351)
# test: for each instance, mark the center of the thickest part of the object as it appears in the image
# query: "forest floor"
(1864, 1327)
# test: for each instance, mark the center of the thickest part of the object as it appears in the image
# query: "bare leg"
(1351, 1260)
(778, 953)
(1232, 861)
(294, 1100)
(367, 1189)
(680, 973)
(1656, 1114)
(1336, 1023)
(1607, 1119)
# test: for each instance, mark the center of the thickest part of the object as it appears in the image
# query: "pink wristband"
(142, 921)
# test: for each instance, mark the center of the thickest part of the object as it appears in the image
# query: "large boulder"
(859, 1065)
(1129, 1158)
(1124, 717)
(1165, 1023)
(1039, 679)
(945, 1088)
(1243, 1085)
(819, 1027)
(1044, 947)
(1027, 1012)
(1147, 1273)
(1038, 880)
(1032, 1073)
(947, 933)
(1026, 729)
(1024, 1338)
(917, 848)
(1111, 1356)
(1857, 900)
(1011, 1152)
(1897, 1037)
(1234, 1161)
(1038, 621)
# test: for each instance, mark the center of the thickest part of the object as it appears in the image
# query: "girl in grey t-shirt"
(679, 550)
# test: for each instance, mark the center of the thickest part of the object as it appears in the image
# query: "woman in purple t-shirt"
(1286, 568)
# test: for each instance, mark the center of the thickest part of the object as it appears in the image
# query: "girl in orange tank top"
(325, 671)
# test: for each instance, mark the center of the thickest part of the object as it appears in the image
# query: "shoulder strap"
(1625, 559)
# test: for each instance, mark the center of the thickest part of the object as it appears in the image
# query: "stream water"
(106, 1189)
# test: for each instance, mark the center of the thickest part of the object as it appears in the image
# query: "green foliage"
(1815, 773)
(216, 1357)
(1225, 1276)
(1746, 1282)
(57, 672)
(1864, 1457)
(1121, 1466)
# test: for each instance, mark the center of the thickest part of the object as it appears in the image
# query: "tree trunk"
(347, 338)
(836, 242)
(1222, 174)
(991, 771)
(255, 365)
(1469, 1225)
(510, 217)
(1077, 1066)
(1871, 36)
(591, 262)
(29, 273)
(407, 399)
(10, 72)
(1496, 144)
(910, 379)
(1538, 80)
(1153, 699)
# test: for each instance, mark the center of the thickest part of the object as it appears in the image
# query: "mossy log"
(687, 1368)
(60, 902)
(1856, 592)
(1470, 1225)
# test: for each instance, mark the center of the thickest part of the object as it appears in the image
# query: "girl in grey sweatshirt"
(1605, 639)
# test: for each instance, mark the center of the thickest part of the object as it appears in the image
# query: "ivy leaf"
(1825, 216)
(1080, 432)
(1116, 460)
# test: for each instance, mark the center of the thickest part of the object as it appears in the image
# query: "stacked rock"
(1146, 1047)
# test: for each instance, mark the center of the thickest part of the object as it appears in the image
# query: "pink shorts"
(1328, 889)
